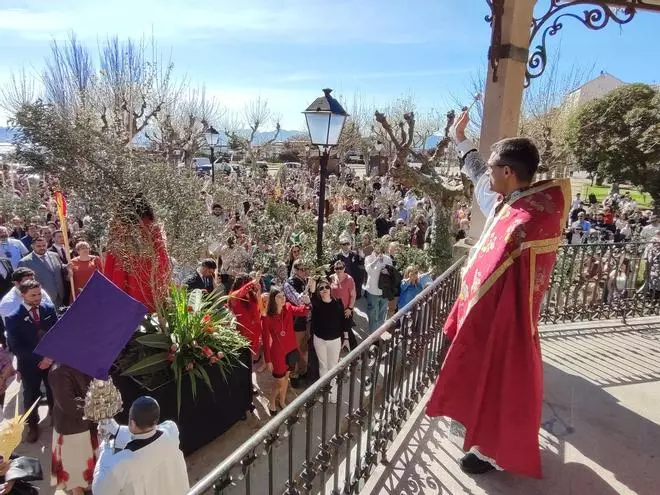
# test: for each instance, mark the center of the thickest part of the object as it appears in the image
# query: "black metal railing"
(603, 281)
(313, 446)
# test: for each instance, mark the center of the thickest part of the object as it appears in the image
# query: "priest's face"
(500, 175)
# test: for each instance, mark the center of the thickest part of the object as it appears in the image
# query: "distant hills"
(6, 135)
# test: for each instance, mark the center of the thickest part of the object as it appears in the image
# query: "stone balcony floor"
(601, 423)
(601, 430)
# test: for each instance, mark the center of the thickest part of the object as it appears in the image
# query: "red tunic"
(492, 379)
(144, 278)
(245, 306)
(278, 329)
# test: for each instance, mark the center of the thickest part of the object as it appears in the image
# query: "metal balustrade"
(603, 281)
(316, 447)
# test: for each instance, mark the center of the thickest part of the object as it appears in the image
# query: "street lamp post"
(379, 148)
(212, 137)
(325, 121)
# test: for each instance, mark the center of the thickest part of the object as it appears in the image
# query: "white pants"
(328, 353)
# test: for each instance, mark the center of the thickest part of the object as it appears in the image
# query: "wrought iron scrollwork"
(596, 16)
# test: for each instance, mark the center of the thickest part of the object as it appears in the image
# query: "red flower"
(220, 354)
(206, 318)
(209, 329)
(174, 348)
(213, 359)
(207, 351)
(190, 366)
(190, 309)
(171, 357)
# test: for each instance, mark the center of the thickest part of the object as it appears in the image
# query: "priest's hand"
(108, 428)
(45, 363)
(459, 128)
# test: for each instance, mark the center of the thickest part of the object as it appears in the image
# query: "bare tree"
(442, 191)
(242, 130)
(20, 90)
(544, 113)
(180, 127)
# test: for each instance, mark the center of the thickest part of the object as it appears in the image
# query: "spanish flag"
(61, 207)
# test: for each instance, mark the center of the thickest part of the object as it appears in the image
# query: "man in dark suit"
(25, 328)
(58, 246)
(203, 277)
(48, 270)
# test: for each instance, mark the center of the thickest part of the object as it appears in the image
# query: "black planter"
(210, 414)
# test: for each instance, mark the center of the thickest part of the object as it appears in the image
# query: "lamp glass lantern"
(325, 120)
(212, 137)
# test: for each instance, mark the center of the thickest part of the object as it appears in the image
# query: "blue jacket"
(23, 335)
(408, 292)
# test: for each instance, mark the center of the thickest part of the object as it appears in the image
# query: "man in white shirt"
(12, 301)
(11, 248)
(376, 303)
(150, 462)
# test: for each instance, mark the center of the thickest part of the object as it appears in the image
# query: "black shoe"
(471, 464)
(272, 413)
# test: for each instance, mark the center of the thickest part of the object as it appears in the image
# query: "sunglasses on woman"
(324, 287)
(339, 268)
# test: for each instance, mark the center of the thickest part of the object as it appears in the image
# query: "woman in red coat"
(280, 356)
(244, 303)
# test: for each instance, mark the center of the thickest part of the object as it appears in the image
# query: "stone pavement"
(601, 423)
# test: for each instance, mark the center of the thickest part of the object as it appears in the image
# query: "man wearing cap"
(149, 462)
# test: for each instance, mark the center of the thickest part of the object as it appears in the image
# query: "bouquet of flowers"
(196, 330)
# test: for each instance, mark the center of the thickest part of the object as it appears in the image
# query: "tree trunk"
(442, 241)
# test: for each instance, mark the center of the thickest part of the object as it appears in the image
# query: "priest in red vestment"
(491, 382)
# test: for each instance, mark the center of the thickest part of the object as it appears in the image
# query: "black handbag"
(292, 358)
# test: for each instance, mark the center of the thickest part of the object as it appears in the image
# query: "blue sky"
(286, 51)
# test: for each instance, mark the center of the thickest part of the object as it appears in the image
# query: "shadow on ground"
(600, 435)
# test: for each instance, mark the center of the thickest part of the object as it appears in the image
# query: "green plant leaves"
(150, 364)
(155, 340)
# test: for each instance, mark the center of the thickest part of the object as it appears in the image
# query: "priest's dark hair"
(520, 155)
(145, 412)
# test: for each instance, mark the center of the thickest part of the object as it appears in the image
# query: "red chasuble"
(492, 379)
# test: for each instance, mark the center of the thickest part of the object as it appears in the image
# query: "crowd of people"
(618, 218)
(296, 315)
